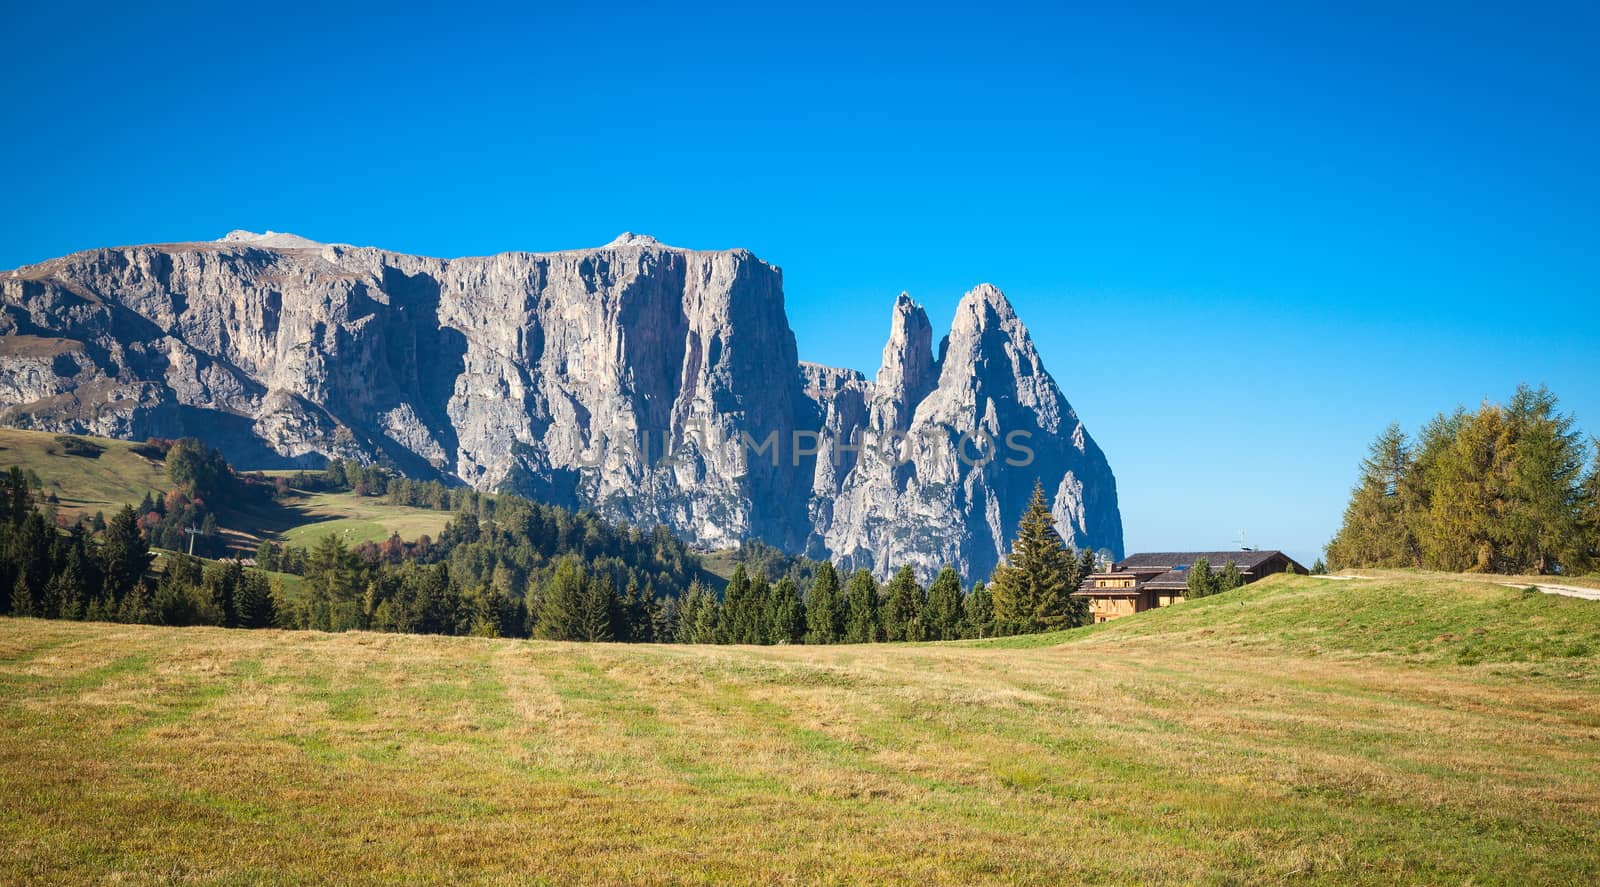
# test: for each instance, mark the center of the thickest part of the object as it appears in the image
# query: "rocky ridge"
(637, 379)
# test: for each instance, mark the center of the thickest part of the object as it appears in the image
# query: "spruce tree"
(635, 626)
(825, 607)
(1033, 587)
(563, 602)
(1086, 563)
(598, 610)
(979, 609)
(1200, 580)
(755, 626)
(253, 602)
(736, 606)
(861, 598)
(125, 556)
(135, 606)
(943, 615)
(697, 615)
(1230, 578)
(22, 597)
(902, 608)
(18, 496)
(786, 619)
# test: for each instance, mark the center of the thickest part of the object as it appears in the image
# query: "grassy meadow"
(117, 474)
(1285, 732)
(107, 474)
(358, 519)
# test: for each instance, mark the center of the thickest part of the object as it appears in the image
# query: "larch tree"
(1538, 527)
(1376, 530)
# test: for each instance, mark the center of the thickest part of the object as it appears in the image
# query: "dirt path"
(1588, 594)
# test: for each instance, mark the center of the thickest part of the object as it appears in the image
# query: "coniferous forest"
(1509, 488)
(502, 567)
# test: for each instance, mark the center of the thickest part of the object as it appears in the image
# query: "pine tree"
(944, 616)
(1200, 581)
(979, 609)
(1320, 568)
(1033, 587)
(825, 607)
(861, 598)
(902, 608)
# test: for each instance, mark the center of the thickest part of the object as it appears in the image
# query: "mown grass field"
(358, 519)
(1282, 733)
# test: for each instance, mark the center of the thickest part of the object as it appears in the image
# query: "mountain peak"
(628, 238)
(275, 239)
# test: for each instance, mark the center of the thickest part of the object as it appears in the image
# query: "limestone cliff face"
(637, 379)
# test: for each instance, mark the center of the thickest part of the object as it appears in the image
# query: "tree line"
(1509, 488)
(505, 566)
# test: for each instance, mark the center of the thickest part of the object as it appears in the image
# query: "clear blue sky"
(1245, 237)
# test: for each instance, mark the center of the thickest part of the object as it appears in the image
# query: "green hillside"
(1414, 729)
(106, 474)
(1411, 617)
(102, 476)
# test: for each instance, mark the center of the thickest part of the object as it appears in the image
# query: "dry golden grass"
(203, 755)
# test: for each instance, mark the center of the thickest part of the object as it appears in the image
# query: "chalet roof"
(1172, 560)
(1174, 579)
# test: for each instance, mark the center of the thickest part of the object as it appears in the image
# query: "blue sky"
(1244, 237)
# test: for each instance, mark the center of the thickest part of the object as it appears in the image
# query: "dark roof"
(1175, 579)
(1174, 559)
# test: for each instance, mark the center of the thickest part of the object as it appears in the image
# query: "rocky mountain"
(651, 383)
